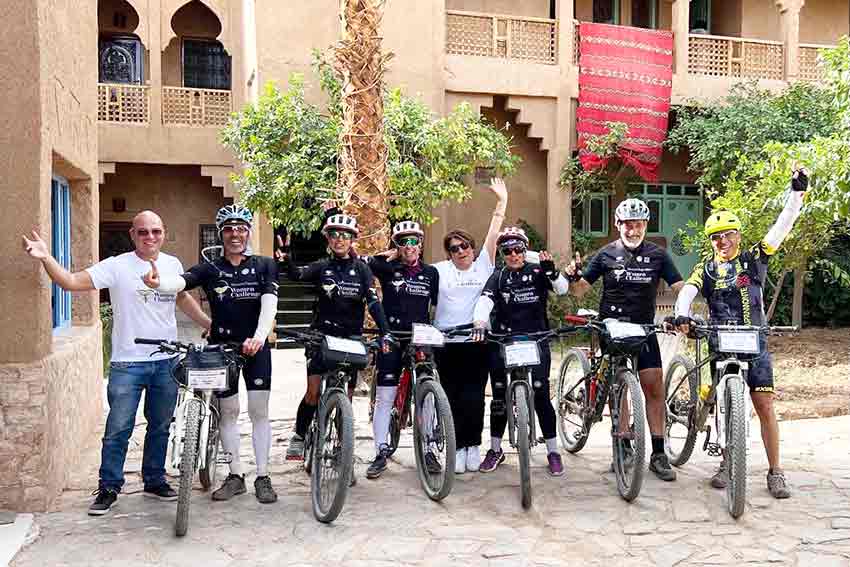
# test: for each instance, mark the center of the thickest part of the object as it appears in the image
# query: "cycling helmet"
(341, 222)
(233, 213)
(720, 221)
(512, 236)
(407, 228)
(631, 209)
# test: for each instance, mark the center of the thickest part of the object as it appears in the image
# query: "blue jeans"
(124, 391)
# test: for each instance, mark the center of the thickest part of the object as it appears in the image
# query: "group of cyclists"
(465, 289)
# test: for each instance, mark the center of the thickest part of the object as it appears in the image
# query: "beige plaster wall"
(179, 194)
(726, 17)
(106, 10)
(760, 20)
(824, 21)
(529, 8)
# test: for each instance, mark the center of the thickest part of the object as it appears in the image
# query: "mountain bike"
(690, 401)
(608, 377)
(194, 436)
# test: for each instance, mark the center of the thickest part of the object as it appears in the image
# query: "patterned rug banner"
(626, 75)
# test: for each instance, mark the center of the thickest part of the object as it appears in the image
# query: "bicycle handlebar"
(178, 346)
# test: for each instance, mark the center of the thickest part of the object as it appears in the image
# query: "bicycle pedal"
(714, 450)
(224, 459)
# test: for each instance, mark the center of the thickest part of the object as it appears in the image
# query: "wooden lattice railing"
(719, 56)
(123, 104)
(810, 70)
(195, 107)
(510, 37)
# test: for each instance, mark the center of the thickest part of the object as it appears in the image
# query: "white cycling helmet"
(512, 236)
(233, 213)
(341, 222)
(407, 228)
(631, 209)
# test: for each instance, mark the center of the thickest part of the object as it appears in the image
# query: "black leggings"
(540, 383)
(463, 375)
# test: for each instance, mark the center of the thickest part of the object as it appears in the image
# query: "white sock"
(384, 399)
(229, 410)
(258, 411)
(552, 445)
(496, 444)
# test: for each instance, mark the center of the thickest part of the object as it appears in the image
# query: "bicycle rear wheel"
(434, 439)
(681, 399)
(572, 398)
(523, 445)
(188, 461)
(736, 446)
(333, 458)
(626, 395)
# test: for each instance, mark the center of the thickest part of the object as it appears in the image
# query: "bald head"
(147, 218)
(148, 234)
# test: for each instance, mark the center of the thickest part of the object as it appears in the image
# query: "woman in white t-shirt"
(463, 365)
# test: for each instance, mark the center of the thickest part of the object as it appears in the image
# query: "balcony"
(500, 36)
(719, 56)
(183, 106)
(123, 104)
(809, 68)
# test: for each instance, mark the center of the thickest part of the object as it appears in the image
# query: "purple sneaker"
(492, 460)
(556, 467)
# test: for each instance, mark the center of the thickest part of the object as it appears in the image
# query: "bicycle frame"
(521, 375)
(185, 396)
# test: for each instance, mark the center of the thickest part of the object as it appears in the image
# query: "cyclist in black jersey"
(631, 268)
(732, 283)
(242, 291)
(345, 285)
(410, 288)
(519, 293)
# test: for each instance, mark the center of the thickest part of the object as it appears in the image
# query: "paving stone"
(807, 559)
(840, 523)
(690, 511)
(671, 554)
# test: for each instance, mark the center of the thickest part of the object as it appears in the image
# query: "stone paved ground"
(576, 519)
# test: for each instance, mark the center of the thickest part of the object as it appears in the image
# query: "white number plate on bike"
(427, 335)
(522, 354)
(746, 342)
(622, 330)
(346, 345)
(208, 378)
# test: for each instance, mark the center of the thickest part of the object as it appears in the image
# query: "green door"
(678, 212)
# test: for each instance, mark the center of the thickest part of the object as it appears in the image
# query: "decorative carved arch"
(217, 7)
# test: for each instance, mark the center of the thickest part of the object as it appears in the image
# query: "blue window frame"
(61, 241)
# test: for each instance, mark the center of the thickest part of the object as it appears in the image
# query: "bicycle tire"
(207, 474)
(674, 409)
(188, 461)
(394, 433)
(329, 491)
(309, 445)
(435, 488)
(629, 479)
(736, 446)
(573, 441)
(520, 392)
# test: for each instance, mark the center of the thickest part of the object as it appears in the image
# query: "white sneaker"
(460, 461)
(473, 458)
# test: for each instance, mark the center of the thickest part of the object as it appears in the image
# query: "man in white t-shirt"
(138, 312)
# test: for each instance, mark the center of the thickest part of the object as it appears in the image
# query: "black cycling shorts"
(650, 354)
(760, 374)
(316, 366)
(388, 366)
(257, 373)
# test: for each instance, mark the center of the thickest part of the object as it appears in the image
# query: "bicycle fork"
(510, 396)
(720, 416)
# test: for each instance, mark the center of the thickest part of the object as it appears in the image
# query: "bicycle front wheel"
(736, 446)
(572, 398)
(680, 395)
(188, 462)
(523, 445)
(434, 439)
(628, 418)
(208, 473)
(333, 454)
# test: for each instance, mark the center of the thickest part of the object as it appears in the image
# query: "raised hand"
(151, 278)
(498, 188)
(575, 266)
(36, 248)
(800, 180)
(282, 252)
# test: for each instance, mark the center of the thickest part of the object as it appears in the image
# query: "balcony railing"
(123, 104)
(810, 70)
(719, 56)
(509, 37)
(195, 107)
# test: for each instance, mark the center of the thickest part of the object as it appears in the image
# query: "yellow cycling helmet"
(720, 221)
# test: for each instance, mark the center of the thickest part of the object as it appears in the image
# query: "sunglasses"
(718, 236)
(408, 241)
(145, 232)
(455, 248)
(237, 228)
(340, 234)
(518, 250)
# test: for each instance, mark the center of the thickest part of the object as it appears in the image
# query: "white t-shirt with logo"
(459, 290)
(137, 311)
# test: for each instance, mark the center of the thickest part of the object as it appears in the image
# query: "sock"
(258, 411)
(496, 444)
(303, 417)
(229, 411)
(552, 445)
(657, 444)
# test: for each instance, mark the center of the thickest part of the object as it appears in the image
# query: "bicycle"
(610, 376)
(419, 386)
(194, 436)
(329, 442)
(689, 403)
(521, 351)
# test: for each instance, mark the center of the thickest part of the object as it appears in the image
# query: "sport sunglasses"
(518, 250)
(408, 241)
(344, 234)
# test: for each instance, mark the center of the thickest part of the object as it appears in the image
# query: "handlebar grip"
(155, 342)
(785, 329)
(575, 320)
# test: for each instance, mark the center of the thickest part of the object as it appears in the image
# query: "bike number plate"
(621, 330)
(427, 335)
(208, 379)
(745, 342)
(522, 354)
(346, 345)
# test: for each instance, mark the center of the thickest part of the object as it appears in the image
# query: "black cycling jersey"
(234, 294)
(345, 285)
(409, 292)
(733, 289)
(520, 298)
(630, 279)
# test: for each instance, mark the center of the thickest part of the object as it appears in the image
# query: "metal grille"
(206, 65)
